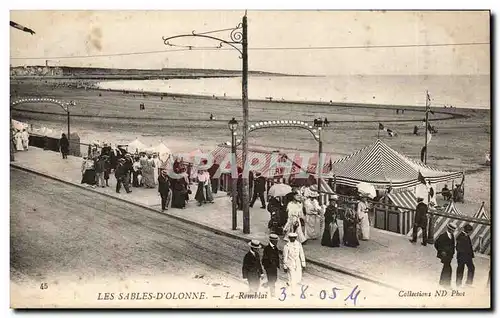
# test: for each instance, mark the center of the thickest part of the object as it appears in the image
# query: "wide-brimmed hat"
(314, 187)
(254, 244)
(451, 227)
(292, 235)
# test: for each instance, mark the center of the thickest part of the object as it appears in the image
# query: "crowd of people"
(301, 213)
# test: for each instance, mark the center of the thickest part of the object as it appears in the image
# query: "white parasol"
(367, 189)
(279, 190)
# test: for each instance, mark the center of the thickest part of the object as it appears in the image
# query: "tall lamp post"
(233, 125)
(320, 158)
(238, 36)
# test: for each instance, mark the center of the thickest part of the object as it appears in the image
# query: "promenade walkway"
(387, 257)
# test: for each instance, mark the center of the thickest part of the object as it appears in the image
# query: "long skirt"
(331, 236)
(178, 199)
(350, 234)
(147, 177)
(200, 195)
(208, 191)
(365, 227)
(313, 226)
(89, 177)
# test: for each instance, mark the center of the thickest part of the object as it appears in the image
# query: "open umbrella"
(367, 189)
(280, 190)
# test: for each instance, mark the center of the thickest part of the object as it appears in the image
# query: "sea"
(461, 91)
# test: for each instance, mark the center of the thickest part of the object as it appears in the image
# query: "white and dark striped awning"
(382, 166)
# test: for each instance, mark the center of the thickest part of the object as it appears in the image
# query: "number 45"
(44, 286)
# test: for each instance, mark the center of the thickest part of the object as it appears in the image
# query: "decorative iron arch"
(316, 133)
(64, 105)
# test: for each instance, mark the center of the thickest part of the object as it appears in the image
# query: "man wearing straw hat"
(252, 268)
(293, 261)
(445, 246)
(271, 262)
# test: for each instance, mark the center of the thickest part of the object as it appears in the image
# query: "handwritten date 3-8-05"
(324, 294)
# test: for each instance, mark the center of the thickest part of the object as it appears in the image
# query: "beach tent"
(19, 125)
(163, 151)
(383, 166)
(136, 146)
(481, 213)
(193, 155)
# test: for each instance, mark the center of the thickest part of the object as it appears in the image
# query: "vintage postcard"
(250, 159)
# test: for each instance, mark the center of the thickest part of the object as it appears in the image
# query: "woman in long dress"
(179, 190)
(314, 213)
(157, 164)
(200, 192)
(295, 214)
(18, 137)
(147, 173)
(88, 172)
(331, 235)
(350, 227)
(362, 212)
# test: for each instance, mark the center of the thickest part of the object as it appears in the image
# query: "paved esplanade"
(387, 257)
(63, 235)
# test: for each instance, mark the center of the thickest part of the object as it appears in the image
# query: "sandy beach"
(182, 123)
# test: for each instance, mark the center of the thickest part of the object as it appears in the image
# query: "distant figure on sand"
(212, 117)
(326, 123)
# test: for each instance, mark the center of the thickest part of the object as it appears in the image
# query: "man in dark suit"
(120, 174)
(252, 268)
(465, 254)
(445, 246)
(258, 190)
(271, 262)
(163, 189)
(420, 221)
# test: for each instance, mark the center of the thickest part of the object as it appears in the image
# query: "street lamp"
(233, 125)
(238, 36)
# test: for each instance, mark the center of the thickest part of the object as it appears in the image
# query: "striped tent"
(481, 213)
(480, 236)
(382, 166)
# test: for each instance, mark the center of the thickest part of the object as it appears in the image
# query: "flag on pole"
(429, 136)
(421, 178)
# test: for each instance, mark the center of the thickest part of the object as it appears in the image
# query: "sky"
(87, 33)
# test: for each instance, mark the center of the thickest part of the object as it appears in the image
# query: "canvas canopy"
(383, 166)
(136, 146)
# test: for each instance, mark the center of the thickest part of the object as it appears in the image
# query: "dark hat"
(468, 228)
